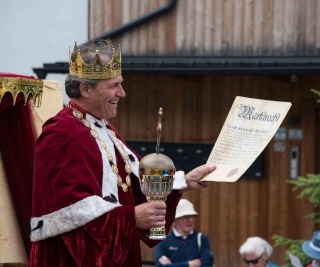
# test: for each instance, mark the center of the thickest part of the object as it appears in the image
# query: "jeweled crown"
(95, 61)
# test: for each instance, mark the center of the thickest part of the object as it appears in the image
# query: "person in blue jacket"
(184, 247)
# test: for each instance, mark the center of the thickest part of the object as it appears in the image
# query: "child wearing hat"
(312, 249)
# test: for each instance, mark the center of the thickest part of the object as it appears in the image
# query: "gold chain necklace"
(79, 115)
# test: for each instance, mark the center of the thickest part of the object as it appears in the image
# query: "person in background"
(256, 252)
(87, 208)
(184, 246)
(312, 249)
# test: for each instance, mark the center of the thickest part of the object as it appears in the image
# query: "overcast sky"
(34, 32)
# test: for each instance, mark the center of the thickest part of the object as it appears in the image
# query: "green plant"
(310, 187)
(317, 92)
(294, 249)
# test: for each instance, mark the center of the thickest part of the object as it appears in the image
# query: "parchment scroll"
(249, 127)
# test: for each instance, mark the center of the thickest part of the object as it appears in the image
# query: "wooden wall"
(195, 107)
(219, 27)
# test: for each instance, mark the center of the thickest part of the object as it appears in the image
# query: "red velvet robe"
(68, 170)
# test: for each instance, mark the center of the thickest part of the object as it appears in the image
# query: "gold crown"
(97, 69)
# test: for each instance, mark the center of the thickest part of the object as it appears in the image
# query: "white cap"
(185, 208)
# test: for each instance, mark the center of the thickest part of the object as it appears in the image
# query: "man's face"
(104, 96)
(184, 224)
(253, 261)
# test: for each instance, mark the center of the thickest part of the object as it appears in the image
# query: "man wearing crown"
(88, 208)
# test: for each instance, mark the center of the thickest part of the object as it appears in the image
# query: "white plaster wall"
(33, 32)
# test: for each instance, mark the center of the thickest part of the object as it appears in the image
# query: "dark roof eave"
(201, 65)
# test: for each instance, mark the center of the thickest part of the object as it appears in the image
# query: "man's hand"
(164, 260)
(193, 177)
(194, 263)
(151, 214)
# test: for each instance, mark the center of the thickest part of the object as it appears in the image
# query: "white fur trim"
(135, 163)
(70, 218)
(109, 179)
(179, 180)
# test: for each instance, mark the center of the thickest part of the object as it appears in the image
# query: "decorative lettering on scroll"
(238, 145)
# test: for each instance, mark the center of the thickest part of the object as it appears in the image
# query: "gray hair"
(73, 86)
(88, 53)
(257, 246)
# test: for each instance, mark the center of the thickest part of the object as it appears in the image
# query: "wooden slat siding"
(166, 32)
(213, 220)
(267, 31)
(206, 107)
(278, 163)
(188, 97)
(150, 37)
(238, 26)
(311, 25)
(318, 29)
(180, 21)
(299, 105)
(217, 108)
(208, 26)
(290, 26)
(189, 27)
(178, 131)
(248, 27)
(125, 44)
(197, 13)
(301, 15)
(116, 15)
(308, 149)
(258, 26)
(107, 16)
(218, 30)
(223, 223)
(143, 42)
(137, 102)
(216, 27)
(234, 222)
(198, 112)
(96, 18)
(278, 26)
(150, 119)
(205, 224)
(170, 42)
(227, 27)
(135, 41)
(243, 207)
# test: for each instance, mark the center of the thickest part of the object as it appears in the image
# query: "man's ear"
(85, 89)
